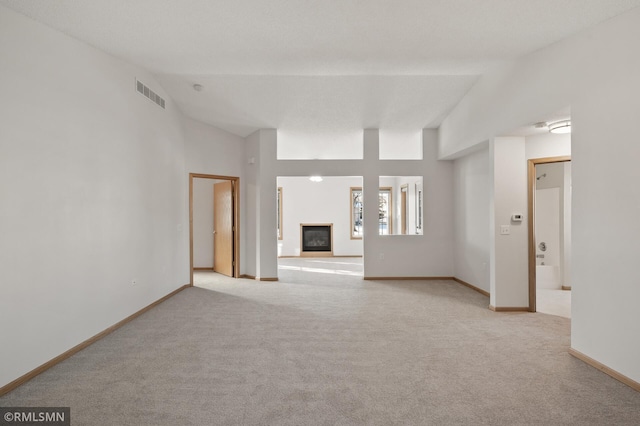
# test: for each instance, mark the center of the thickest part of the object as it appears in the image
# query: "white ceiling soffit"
(240, 104)
(332, 63)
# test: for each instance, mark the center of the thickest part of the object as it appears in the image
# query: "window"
(385, 207)
(405, 212)
(356, 213)
(384, 212)
(279, 212)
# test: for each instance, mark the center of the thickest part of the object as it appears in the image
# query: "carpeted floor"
(324, 347)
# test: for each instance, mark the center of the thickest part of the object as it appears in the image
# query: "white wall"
(551, 175)
(213, 151)
(106, 173)
(595, 73)
(400, 145)
(93, 189)
(203, 223)
(546, 145)
(313, 145)
(328, 201)
(471, 218)
(430, 254)
(471, 212)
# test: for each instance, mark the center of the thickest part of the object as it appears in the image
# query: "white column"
(509, 253)
(267, 243)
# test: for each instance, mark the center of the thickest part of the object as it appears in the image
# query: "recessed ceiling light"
(315, 178)
(198, 87)
(558, 127)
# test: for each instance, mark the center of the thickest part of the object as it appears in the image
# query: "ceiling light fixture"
(315, 178)
(560, 127)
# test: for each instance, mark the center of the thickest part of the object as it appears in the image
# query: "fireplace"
(316, 239)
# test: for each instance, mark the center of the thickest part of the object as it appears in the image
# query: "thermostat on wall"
(516, 217)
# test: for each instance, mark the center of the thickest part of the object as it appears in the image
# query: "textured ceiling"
(319, 65)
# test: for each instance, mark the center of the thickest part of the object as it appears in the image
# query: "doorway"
(222, 233)
(549, 196)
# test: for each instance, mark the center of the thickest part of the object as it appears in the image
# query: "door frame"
(235, 183)
(531, 180)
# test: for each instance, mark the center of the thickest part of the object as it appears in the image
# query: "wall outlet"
(505, 230)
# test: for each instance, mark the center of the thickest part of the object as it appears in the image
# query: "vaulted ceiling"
(319, 66)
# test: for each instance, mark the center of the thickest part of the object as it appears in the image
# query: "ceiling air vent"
(148, 93)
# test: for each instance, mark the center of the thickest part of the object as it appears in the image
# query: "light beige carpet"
(327, 348)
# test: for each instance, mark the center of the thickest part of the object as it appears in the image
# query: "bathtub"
(548, 276)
